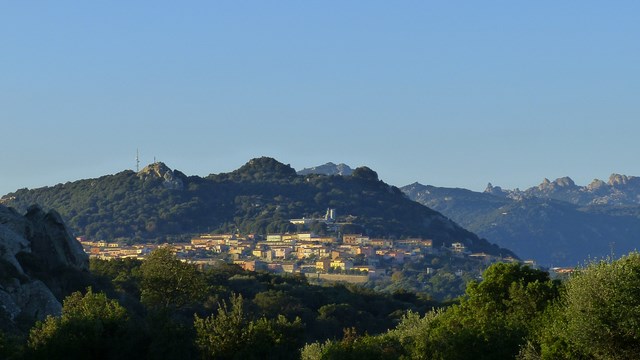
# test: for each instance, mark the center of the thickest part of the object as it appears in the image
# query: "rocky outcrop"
(38, 260)
(158, 170)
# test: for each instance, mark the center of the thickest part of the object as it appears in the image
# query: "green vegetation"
(166, 282)
(597, 316)
(230, 335)
(446, 279)
(260, 198)
(515, 312)
(165, 308)
(490, 322)
(91, 327)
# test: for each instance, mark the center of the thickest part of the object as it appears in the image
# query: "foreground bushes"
(518, 312)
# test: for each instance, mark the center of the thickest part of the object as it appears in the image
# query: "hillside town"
(350, 257)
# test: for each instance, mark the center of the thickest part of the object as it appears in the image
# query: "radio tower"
(137, 161)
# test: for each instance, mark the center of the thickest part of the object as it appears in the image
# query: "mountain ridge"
(619, 190)
(548, 223)
(259, 197)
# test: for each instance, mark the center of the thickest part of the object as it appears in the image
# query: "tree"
(229, 334)
(222, 335)
(91, 327)
(598, 315)
(491, 321)
(168, 283)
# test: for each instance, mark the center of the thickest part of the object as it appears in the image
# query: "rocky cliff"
(40, 263)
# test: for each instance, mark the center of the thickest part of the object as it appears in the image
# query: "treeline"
(516, 313)
(166, 309)
(260, 198)
(163, 308)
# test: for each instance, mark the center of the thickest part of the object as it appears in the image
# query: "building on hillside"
(458, 249)
(290, 267)
(251, 265)
(355, 239)
(329, 218)
(342, 264)
(274, 238)
(323, 265)
(365, 250)
(371, 271)
(281, 252)
(381, 243)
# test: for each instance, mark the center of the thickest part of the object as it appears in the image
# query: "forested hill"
(160, 204)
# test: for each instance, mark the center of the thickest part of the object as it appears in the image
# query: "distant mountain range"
(556, 223)
(161, 204)
(620, 190)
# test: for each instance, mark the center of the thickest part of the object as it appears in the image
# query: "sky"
(446, 93)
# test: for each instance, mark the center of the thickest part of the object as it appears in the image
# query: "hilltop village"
(347, 257)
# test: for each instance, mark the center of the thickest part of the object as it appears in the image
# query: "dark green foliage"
(123, 274)
(441, 285)
(260, 197)
(365, 173)
(492, 321)
(9, 347)
(353, 347)
(229, 334)
(597, 317)
(168, 283)
(276, 307)
(91, 327)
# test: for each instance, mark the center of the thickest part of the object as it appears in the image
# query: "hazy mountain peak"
(618, 180)
(494, 190)
(564, 182)
(328, 169)
(596, 185)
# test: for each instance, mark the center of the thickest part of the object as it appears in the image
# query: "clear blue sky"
(449, 93)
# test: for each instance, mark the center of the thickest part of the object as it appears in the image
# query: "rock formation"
(39, 263)
(170, 179)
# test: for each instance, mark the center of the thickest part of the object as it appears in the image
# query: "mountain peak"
(494, 190)
(621, 180)
(265, 168)
(328, 169)
(564, 181)
(159, 170)
(364, 172)
(596, 184)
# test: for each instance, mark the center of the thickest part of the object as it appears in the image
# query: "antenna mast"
(137, 161)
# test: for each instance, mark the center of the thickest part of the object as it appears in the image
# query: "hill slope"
(260, 197)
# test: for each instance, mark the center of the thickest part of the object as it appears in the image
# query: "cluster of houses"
(351, 255)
